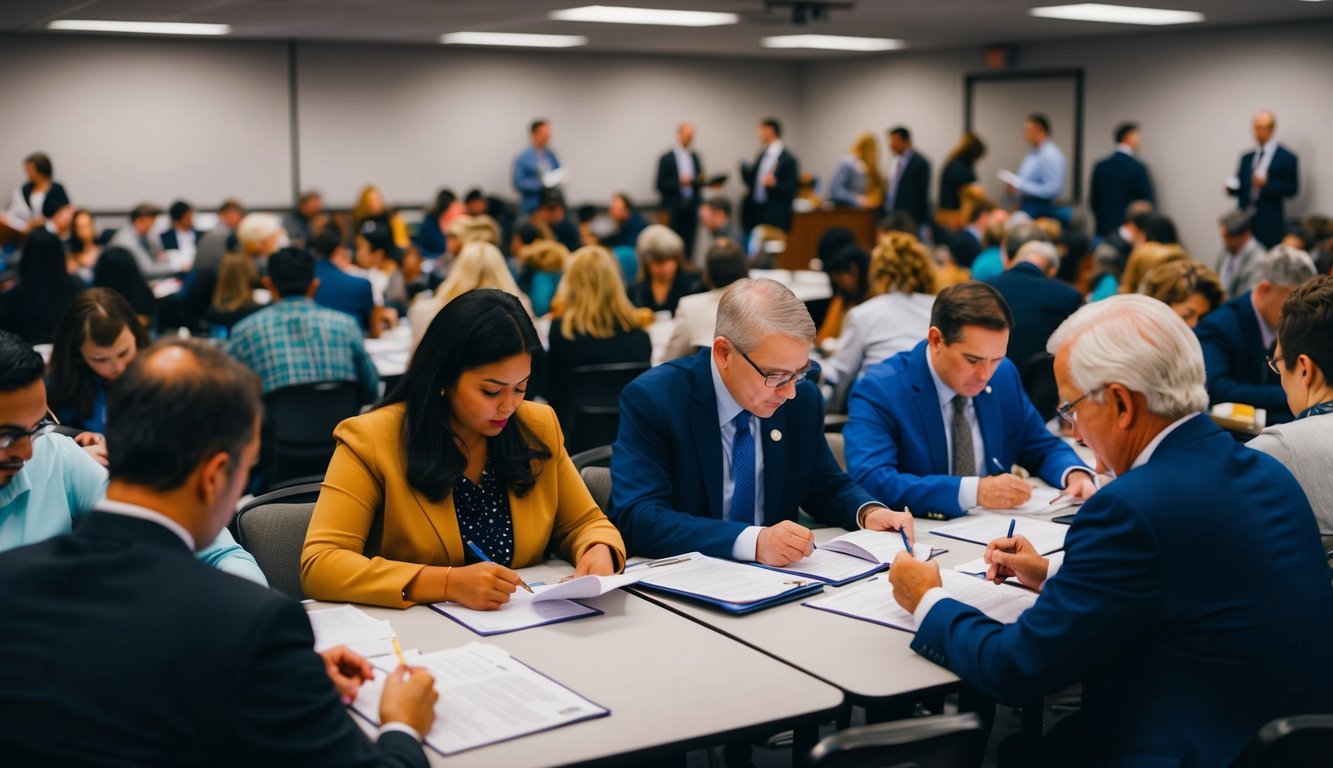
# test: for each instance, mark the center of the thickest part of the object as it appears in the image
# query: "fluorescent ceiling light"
(513, 39)
(833, 42)
(139, 27)
(617, 14)
(1116, 14)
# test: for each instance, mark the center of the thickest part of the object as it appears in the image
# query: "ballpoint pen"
(996, 463)
(906, 544)
(671, 561)
(1010, 535)
(476, 550)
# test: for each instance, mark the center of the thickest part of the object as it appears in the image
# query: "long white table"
(671, 684)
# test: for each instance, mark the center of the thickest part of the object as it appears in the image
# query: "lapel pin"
(775, 436)
(988, 389)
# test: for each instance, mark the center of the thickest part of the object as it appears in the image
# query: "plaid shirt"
(296, 341)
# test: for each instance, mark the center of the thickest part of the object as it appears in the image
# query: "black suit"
(1039, 304)
(1269, 209)
(683, 211)
(171, 241)
(120, 648)
(913, 193)
(1117, 181)
(775, 211)
(1233, 354)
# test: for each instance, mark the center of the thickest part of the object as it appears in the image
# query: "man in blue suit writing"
(717, 451)
(937, 428)
(1181, 661)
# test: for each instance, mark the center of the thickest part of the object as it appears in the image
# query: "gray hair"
(1235, 223)
(751, 310)
(658, 243)
(255, 228)
(1140, 343)
(1039, 249)
(1286, 266)
(1020, 235)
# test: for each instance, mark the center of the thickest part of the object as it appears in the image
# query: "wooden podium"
(806, 229)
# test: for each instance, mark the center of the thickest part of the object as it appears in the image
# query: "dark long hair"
(117, 270)
(45, 285)
(478, 328)
(99, 315)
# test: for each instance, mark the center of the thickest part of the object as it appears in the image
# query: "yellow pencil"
(398, 649)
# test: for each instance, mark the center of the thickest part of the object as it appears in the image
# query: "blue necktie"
(742, 469)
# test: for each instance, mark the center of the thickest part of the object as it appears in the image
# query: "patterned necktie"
(742, 470)
(964, 458)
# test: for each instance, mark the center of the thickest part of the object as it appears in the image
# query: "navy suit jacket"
(1269, 210)
(120, 648)
(668, 181)
(1193, 603)
(171, 242)
(1117, 181)
(343, 292)
(1039, 304)
(775, 211)
(1234, 356)
(913, 193)
(666, 465)
(895, 435)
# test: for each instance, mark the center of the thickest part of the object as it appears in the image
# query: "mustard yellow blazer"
(372, 532)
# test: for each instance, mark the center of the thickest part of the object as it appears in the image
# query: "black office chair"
(940, 741)
(593, 457)
(587, 400)
(1038, 377)
(1302, 741)
(272, 529)
(298, 428)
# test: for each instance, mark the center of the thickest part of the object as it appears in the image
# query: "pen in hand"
(476, 550)
(1010, 535)
(998, 466)
(402, 661)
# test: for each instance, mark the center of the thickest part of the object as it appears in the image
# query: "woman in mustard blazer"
(454, 455)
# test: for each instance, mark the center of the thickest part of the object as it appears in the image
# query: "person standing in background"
(1041, 177)
(1118, 180)
(41, 202)
(857, 181)
(960, 192)
(909, 181)
(680, 178)
(1267, 176)
(771, 182)
(534, 168)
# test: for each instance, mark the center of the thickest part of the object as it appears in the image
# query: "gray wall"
(1193, 93)
(128, 119)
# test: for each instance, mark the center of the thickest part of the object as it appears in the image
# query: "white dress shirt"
(967, 487)
(727, 410)
(684, 167)
(767, 164)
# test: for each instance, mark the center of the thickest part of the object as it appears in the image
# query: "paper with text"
(873, 600)
(984, 527)
(854, 554)
(350, 626)
(720, 580)
(1043, 500)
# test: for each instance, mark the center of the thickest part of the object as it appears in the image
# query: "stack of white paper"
(486, 696)
(350, 626)
(1044, 499)
(985, 527)
(873, 600)
(547, 604)
(719, 580)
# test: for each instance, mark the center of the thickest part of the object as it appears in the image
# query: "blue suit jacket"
(1269, 210)
(1233, 354)
(343, 292)
(666, 467)
(1117, 181)
(896, 446)
(1194, 605)
(528, 178)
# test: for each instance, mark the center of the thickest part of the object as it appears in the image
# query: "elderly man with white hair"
(1038, 301)
(1239, 335)
(717, 451)
(1193, 601)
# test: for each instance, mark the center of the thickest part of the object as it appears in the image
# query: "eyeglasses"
(9, 437)
(1066, 411)
(1272, 363)
(775, 380)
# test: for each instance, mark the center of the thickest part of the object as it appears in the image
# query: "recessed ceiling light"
(513, 39)
(1116, 14)
(833, 42)
(617, 14)
(139, 27)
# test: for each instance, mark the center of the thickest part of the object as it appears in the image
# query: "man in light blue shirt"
(534, 167)
(46, 480)
(1041, 177)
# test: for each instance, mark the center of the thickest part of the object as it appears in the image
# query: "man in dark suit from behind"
(120, 648)
(909, 179)
(1118, 180)
(1267, 176)
(1037, 300)
(680, 185)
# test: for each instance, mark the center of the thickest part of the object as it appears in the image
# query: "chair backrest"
(298, 427)
(836, 446)
(593, 457)
(1038, 377)
(941, 741)
(587, 400)
(598, 480)
(1302, 741)
(272, 529)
